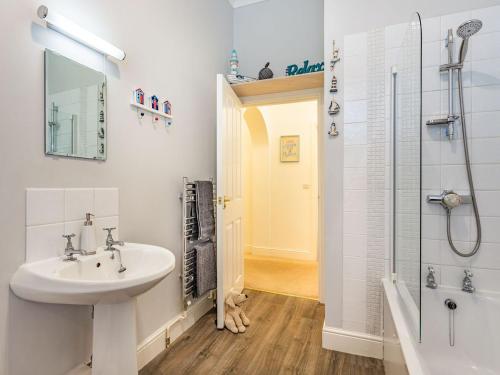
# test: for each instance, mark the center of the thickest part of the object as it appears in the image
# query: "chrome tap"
(110, 242)
(70, 251)
(431, 279)
(467, 282)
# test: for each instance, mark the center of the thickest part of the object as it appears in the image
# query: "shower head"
(469, 28)
(465, 31)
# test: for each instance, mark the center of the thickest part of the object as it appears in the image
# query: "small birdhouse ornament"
(154, 102)
(167, 107)
(139, 96)
(234, 63)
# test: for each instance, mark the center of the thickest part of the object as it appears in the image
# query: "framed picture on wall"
(289, 148)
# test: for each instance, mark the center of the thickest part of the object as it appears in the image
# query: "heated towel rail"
(189, 237)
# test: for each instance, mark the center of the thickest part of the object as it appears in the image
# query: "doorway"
(233, 103)
(280, 197)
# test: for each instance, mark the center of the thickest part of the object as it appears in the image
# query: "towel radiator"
(189, 236)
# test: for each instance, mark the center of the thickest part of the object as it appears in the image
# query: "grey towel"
(205, 210)
(206, 268)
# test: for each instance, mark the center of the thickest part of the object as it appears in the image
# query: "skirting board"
(153, 345)
(352, 342)
(156, 343)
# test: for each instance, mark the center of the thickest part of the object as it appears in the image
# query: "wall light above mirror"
(67, 27)
(75, 109)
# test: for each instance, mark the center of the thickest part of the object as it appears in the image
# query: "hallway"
(282, 276)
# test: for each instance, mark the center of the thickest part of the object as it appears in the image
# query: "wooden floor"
(282, 276)
(284, 338)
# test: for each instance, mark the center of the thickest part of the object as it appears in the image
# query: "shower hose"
(469, 177)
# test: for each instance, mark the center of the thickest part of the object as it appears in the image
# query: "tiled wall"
(82, 103)
(51, 213)
(442, 160)
(366, 164)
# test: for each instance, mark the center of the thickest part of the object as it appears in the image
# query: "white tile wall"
(44, 206)
(376, 194)
(482, 100)
(355, 111)
(83, 104)
(443, 161)
(77, 203)
(355, 183)
(50, 213)
(364, 172)
(44, 241)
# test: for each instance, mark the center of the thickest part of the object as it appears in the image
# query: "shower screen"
(406, 142)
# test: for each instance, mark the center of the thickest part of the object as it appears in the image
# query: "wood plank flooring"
(284, 338)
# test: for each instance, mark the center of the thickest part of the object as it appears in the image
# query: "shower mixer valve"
(449, 199)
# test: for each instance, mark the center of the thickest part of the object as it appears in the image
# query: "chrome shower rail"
(394, 75)
(450, 68)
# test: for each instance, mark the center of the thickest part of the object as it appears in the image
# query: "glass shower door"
(406, 137)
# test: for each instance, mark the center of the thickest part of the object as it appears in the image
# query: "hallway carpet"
(284, 337)
(289, 277)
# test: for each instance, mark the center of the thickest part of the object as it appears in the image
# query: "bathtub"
(477, 333)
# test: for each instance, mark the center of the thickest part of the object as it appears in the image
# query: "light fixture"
(67, 27)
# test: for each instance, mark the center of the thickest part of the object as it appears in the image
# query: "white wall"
(344, 18)
(284, 195)
(256, 179)
(174, 48)
(282, 32)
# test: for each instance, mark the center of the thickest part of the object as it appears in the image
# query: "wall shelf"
(150, 110)
(280, 84)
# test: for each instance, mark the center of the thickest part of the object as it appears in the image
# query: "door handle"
(224, 200)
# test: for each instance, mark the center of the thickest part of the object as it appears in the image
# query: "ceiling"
(242, 3)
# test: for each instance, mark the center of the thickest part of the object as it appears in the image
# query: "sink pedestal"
(114, 343)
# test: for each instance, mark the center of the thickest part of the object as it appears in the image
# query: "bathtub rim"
(407, 341)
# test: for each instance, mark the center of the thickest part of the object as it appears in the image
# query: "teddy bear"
(235, 319)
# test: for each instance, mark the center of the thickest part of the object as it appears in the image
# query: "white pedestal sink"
(94, 280)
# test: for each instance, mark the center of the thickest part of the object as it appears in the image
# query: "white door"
(229, 196)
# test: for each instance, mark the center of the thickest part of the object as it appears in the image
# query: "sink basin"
(95, 280)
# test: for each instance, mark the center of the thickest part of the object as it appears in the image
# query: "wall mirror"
(75, 109)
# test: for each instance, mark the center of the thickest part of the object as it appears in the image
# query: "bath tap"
(467, 282)
(431, 279)
(110, 242)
